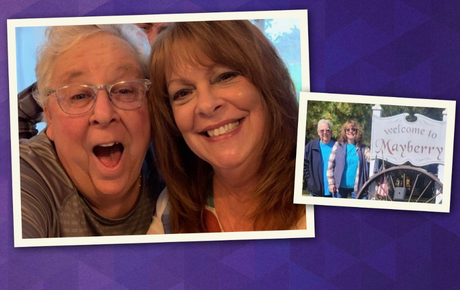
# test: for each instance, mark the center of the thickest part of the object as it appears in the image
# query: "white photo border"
(448, 105)
(12, 24)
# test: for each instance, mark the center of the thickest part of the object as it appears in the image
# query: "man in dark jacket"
(315, 160)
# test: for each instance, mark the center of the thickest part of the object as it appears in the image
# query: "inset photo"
(374, 152)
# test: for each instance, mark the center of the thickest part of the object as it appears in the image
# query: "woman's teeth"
(223, 129)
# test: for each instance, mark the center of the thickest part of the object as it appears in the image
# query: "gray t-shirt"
(51, 206)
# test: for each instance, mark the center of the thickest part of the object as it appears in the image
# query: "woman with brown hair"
(348, 163)
(224, 116)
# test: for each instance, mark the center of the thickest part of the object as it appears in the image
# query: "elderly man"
(30, 113)
(316, 158)
(90, 172)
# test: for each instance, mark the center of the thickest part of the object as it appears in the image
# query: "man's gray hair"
(59, 39)
(324, 121)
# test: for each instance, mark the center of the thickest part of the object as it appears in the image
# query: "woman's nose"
(208, 101)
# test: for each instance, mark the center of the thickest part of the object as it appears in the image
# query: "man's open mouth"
(109, 154)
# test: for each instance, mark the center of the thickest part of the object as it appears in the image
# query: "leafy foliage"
(433, 113)
(339, 113)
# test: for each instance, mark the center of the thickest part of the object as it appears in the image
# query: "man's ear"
(49, 123)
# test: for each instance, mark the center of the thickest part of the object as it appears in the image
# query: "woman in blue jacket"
(348, 167)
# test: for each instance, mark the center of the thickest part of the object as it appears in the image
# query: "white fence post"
(376, 111)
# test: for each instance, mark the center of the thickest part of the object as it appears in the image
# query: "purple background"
(407, 48)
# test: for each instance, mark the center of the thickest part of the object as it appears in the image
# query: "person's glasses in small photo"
(327, 131)
(351, 130)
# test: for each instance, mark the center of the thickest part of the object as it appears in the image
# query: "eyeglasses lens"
(126, 95)
(75, 99)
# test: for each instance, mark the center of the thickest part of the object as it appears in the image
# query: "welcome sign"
(396, 140)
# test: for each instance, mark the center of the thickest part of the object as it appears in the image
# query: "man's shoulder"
(36, 146)
(40, 165)
(46, 189)
(313, 143)
(39, 153)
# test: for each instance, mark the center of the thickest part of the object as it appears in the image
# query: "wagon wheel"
(402, 183)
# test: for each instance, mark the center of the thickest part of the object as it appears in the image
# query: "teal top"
(351, 166)
(325, 152)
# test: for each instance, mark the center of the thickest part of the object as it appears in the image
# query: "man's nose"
(104, 111)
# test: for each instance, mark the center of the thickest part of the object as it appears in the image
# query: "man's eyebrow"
(129, 68)
(73, 74)
(69, 76)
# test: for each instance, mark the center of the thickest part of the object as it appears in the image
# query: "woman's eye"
(180, 95)
(227, 76)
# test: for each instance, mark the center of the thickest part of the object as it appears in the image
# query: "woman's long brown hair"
(240, 46)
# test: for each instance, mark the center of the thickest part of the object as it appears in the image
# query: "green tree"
(338, 113)
(433, 113)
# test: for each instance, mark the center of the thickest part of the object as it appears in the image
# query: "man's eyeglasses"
(80, 99)
(327, 131)
(350, 129)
